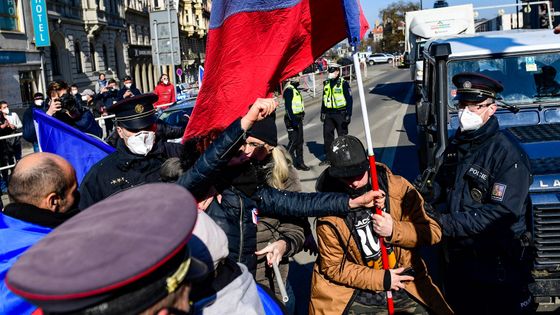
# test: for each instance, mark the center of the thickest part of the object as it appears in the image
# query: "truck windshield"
(526, 79)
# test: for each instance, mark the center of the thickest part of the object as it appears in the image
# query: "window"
(55, 64)
(92, 57)
(105, 57)
(9, 15)
(78, 58)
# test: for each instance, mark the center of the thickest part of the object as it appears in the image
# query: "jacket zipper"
(240, 228)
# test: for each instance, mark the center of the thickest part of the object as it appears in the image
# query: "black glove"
(433, 213)
(323, 116)
(310, 245)
(347, 118)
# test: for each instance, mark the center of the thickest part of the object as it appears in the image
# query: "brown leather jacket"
(339, 270)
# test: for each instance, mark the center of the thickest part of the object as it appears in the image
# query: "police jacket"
(238, 210)
(486, 178)
(122, 169)
(333, 84)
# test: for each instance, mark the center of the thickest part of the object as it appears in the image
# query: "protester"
(243, 196)
(349, 272)
(123, 258)
(107, 98)
(278, 239)
(140, 154)
(293, 119)
(28, 124)
(16, 125)
(43, 191)
(129, 89)
(230, 288)
(336, 107)
(100, 83)
(64, 107)
(6, 153)
(88, 97)
(484, 180)
(165, 92)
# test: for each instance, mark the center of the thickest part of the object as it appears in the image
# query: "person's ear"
(120, 131)
(492, 109)
(53, 201)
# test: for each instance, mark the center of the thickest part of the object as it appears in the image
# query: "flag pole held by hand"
(373, 170)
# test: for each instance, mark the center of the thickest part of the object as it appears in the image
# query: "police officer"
(484, 179)
(116, 264)
(294, 123)
(139, 154)
(336, 108)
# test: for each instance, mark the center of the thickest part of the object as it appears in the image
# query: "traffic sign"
(40, 23)
(179, 72)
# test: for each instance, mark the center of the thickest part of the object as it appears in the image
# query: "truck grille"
(547, 235)
(536, 133)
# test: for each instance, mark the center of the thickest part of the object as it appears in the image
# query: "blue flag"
(78, 148)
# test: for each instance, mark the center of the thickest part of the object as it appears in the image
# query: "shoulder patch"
(498, 192)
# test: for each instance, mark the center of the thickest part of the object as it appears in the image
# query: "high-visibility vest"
(334, 98)
(297, 100)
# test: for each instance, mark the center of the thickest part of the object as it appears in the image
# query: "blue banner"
(78, 148)
(40, 23)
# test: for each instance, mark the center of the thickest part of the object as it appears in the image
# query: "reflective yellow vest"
(297, 100)
(334, 98)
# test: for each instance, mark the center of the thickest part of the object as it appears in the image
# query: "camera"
(68, 103)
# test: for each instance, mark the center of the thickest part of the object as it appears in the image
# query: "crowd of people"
(208, 226)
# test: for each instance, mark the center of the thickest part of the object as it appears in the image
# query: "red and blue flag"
(255, 44)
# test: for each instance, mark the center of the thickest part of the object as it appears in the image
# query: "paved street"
(391, 112)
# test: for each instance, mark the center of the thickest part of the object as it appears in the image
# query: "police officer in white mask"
(139, 154)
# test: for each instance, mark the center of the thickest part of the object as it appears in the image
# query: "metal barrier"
(19, 134)
(105, 117)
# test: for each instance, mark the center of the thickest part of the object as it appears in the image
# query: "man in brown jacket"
(348, 277)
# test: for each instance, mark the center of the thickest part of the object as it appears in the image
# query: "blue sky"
(372, 7)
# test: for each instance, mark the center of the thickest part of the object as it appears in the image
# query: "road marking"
(306, 126)
(390, 147)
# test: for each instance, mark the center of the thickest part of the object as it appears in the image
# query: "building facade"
(194, 17)
(90, 37)
(20, 60)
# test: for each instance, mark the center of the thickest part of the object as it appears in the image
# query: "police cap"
(475, 87)
(127, 252)
(136, 112)
(333, 67)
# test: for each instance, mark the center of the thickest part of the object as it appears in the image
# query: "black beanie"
(265, 130)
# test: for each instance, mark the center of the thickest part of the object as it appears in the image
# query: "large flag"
(78, 148)
(255, 44)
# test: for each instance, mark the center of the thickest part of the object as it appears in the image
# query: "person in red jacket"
(165, 92)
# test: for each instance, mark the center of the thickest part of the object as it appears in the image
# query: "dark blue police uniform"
(485, 179)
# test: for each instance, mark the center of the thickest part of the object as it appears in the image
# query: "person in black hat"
(129, 89)
(349, 271)
(293, 119)
(336, 108)
(140, 153)
(116, 265)
(484, 182)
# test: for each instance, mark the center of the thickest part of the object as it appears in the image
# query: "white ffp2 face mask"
(6, 111)
(332, 75)
(469, 120)
(141, 143)
(128, 85)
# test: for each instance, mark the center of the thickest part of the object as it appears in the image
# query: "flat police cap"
(475, 87)
(122, 254)
(136, 112)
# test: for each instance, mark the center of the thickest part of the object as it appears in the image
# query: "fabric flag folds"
(78, 148)
(255, 44)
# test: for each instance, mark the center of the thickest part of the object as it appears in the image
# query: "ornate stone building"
(88, 37)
